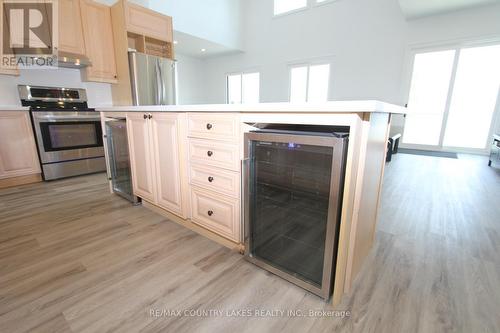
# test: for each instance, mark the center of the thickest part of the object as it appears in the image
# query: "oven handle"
(66, 118)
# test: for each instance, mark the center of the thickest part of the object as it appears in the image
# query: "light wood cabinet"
(214, 164)
(167, 156)
(146, 22)
(141, 156)
(215, 179)
(98, 38)
(18, 154)
(141, 29)
(214, 126)
(71, 32)
(216, 213)
(157, 159)
(214, 153)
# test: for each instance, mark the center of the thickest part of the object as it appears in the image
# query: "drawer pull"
(210, 213)
(210, 153)
(210, 179)
(209, 126)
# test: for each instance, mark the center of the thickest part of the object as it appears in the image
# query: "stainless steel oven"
(68, 133)
(293, 181)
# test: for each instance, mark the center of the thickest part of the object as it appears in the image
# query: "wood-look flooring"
(74, 258)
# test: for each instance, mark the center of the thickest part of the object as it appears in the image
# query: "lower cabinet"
(158, 159)
(18, 153)
(192, 177)
(216, 212)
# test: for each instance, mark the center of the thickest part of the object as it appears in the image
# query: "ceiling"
(192, 46)
(419, 8)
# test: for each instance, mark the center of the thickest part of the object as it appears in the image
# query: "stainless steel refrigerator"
(154, 79)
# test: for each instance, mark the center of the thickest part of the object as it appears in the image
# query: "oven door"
(65, 136)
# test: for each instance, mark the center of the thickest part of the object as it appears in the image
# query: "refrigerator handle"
(162, 84)
(159, 83)
(174, 81)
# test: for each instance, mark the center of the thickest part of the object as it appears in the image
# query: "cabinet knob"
(210, 179)
(150, 116)
(209, 126)
(210, 153)
(210, 213)
(145, 116)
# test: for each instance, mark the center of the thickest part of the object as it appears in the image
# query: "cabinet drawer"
(212, 153)
(213, 126)
(215, 212)
(215, 179)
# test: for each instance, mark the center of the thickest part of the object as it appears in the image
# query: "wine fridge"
(293, 183)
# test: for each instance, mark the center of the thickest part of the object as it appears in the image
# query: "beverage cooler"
(293, 196)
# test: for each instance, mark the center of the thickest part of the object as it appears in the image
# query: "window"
(453, 97)
(285, 6)
(309, 83)
(243, 88)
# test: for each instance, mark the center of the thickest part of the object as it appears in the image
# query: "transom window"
(285, 6)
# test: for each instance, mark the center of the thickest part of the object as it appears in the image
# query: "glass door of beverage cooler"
(293, 187)
(119, 159)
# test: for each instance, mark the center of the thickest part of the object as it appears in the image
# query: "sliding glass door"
(453, 98)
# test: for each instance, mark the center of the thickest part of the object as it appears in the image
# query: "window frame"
(241, 84)
(308, 65)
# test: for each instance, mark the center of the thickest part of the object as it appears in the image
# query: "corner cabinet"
(158, 159)
(98, 36)
(18, 154)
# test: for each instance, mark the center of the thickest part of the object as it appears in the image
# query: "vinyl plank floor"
(74, 258)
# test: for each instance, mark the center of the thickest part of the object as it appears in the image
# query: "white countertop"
(13, 108)
(328, 107)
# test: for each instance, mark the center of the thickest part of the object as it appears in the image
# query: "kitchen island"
(186, 164)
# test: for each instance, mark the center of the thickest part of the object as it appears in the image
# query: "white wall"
(215, 20)
(191, 80)
(99, 94)
(363, 40)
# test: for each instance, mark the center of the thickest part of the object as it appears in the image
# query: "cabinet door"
(168, 155)
(18, 154)
(144, 21)
(141, 156)
(98, 35)
(70, 27)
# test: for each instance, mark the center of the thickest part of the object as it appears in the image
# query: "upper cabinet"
(140, 29)
(149, 23)
(98, 37)
(71, 31)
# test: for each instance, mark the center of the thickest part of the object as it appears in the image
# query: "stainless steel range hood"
(70, 60)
